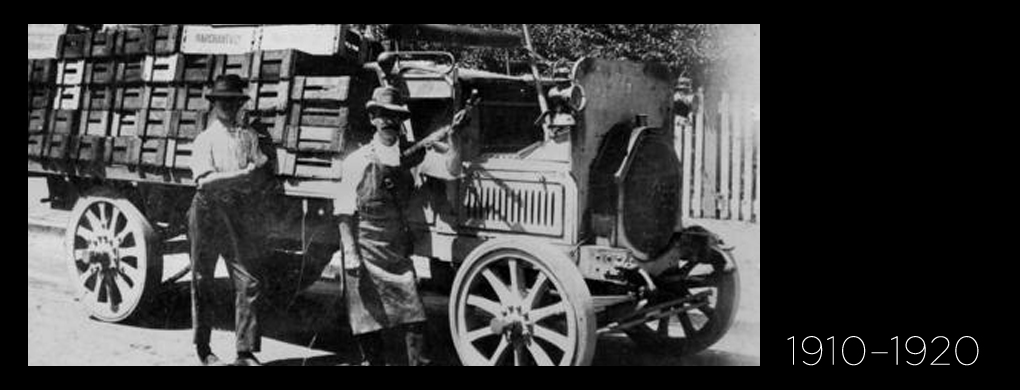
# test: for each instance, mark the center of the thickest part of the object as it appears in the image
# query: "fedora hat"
(228, 86)
(389, 99)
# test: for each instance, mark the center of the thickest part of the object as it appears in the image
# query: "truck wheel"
(688, 333)
(113, 252)
(521, 306)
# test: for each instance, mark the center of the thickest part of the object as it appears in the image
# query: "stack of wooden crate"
(131, 98)
(322, 112)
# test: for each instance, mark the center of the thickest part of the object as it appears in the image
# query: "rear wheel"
(113, 256)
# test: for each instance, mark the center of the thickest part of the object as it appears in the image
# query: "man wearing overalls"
(376, 185)
(224, 159)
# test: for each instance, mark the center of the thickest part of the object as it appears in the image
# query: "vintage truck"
(565, 225)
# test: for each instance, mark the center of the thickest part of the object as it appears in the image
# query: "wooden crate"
(178, 153)
(315, 114)
(67, 98)
(163, 69)
(40, 98)
(90, 148)
(42, 71)
(130, 98)
(310, 165)
(165, 39)
(199, 68)
(314, 139)
(187, 124)
(63, 121)
(100, 44)
(96, 123)
(192, 98)
(98, 98)
(35, 145)
(271, 123)
(203, 39)
(37, 121)
(155, 123)
(100, 72)
(125, 123)
(274, 65)
(130, 71)
(333, 89)
(236, 64)
(126, 150)
(56, 146)
(153, 152)
(159, 97)
(133, 42)
(70, 73)
(72, 46)
(268, 95)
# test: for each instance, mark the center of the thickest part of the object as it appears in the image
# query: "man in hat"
(376, 184)
(224, 159)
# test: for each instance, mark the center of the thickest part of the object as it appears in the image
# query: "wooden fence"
(720, 149)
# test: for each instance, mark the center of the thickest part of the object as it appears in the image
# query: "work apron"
(385, 294)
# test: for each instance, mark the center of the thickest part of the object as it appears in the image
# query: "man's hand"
(335, 267)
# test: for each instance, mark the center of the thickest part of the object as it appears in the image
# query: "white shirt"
(223, 149)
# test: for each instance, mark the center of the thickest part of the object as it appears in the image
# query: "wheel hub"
(513, 325)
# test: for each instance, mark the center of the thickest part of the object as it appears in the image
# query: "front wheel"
(514, 307)
(113, 256)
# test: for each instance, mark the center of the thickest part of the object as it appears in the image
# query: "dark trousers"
(217, 228)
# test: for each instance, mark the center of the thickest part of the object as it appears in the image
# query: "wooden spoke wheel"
(512, 308)
(114, 262)
(691, 332)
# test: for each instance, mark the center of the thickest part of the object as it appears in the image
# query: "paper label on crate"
(316, 39)
(223, 40)
(43, 39)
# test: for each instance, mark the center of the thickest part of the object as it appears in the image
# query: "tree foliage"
(686, 48)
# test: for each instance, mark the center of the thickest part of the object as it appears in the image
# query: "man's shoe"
(212, 361)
